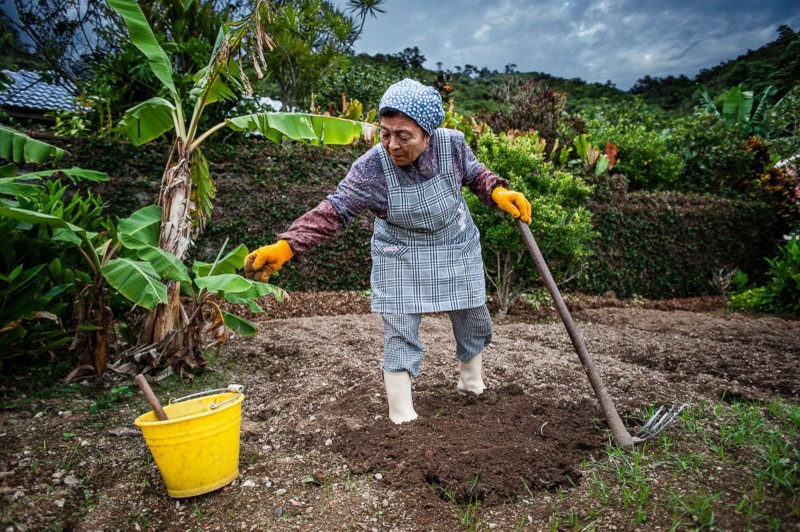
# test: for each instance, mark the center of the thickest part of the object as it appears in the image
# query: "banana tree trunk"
(175, 198)
(175, 236)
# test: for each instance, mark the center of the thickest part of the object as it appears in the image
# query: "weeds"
(529, 499)
(697, 507)
(468, 512)
(115, 395)
(634, 479)
(598, 489)
(570, 520)
(755, 443)
(690, 418)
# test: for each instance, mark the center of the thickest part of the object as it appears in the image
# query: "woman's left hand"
(514, 203)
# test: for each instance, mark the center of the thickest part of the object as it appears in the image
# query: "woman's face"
(403, 139)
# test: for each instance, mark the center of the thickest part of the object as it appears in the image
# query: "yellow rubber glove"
(265, 261)
(514, 203)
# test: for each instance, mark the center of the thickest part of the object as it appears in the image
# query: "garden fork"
(655, 425)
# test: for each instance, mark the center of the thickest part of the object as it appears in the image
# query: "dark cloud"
(617, 40)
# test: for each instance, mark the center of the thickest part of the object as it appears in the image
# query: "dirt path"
(318, 452)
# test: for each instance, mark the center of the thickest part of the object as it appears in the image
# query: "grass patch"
(727, 464)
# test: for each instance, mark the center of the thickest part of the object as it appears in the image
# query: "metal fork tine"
(649, 421)
(656, 427)
(662, 423)
(650, 430)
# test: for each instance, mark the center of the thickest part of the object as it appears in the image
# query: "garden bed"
(319, 453)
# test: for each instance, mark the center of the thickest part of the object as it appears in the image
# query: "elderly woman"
(426, 253)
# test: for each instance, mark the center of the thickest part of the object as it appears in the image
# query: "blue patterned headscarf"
(421, 103)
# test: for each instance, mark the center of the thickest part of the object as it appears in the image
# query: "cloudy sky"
(617, 40)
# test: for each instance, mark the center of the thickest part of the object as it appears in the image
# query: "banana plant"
(139, 274)
(187, 189)
(130, 264)
(741, 109)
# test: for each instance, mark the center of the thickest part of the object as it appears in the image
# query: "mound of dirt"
(493, 448)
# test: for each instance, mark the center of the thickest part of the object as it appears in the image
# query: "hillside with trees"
(776, 63)
(478, 89)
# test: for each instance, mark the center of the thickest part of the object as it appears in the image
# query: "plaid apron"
(426, 254)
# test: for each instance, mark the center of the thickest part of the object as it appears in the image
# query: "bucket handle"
(238, 389)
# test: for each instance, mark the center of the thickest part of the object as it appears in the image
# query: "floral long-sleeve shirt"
(365, 187)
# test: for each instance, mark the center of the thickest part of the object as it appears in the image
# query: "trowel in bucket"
(194, 440)
(657, 422)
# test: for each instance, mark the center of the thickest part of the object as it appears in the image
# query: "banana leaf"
(147, 120)
(167, 265)
(238, 285)
(219, 90)
(746, 107)
(21, 148)
(227, 264)
(736, 107)
(276, 126)
(236, 299)
(136, 280)
(758, 120)
(205, 188)
(237, 323)
(144, 39)
(304, 127)
(333, 130)
(706, 101)
(75, 174)
(224, 283)
(141, 228)
(10, 186)
(34, 217)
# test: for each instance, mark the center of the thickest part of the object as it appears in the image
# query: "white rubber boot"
(398, 392)
(471, 379)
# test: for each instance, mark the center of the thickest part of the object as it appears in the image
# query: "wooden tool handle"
(618, 430)
(151, 397)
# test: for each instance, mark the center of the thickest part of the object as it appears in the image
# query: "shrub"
(778, 186)
(527, 105)
(714, 158)
(45, 281)
(560, 223)
(643, 153)
(782, 290)
(784, 119)
(363, 82)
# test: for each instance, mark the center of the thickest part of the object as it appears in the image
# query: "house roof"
(29, 92)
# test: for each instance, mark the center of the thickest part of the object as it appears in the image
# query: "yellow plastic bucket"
(197, 448)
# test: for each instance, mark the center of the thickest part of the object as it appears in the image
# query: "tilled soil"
(319, 453)
(492, 449)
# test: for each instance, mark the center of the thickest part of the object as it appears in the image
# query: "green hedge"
(261, 188)
(654, 245)
(662, 245)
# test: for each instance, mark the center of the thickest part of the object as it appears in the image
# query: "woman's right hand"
(265, 261)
